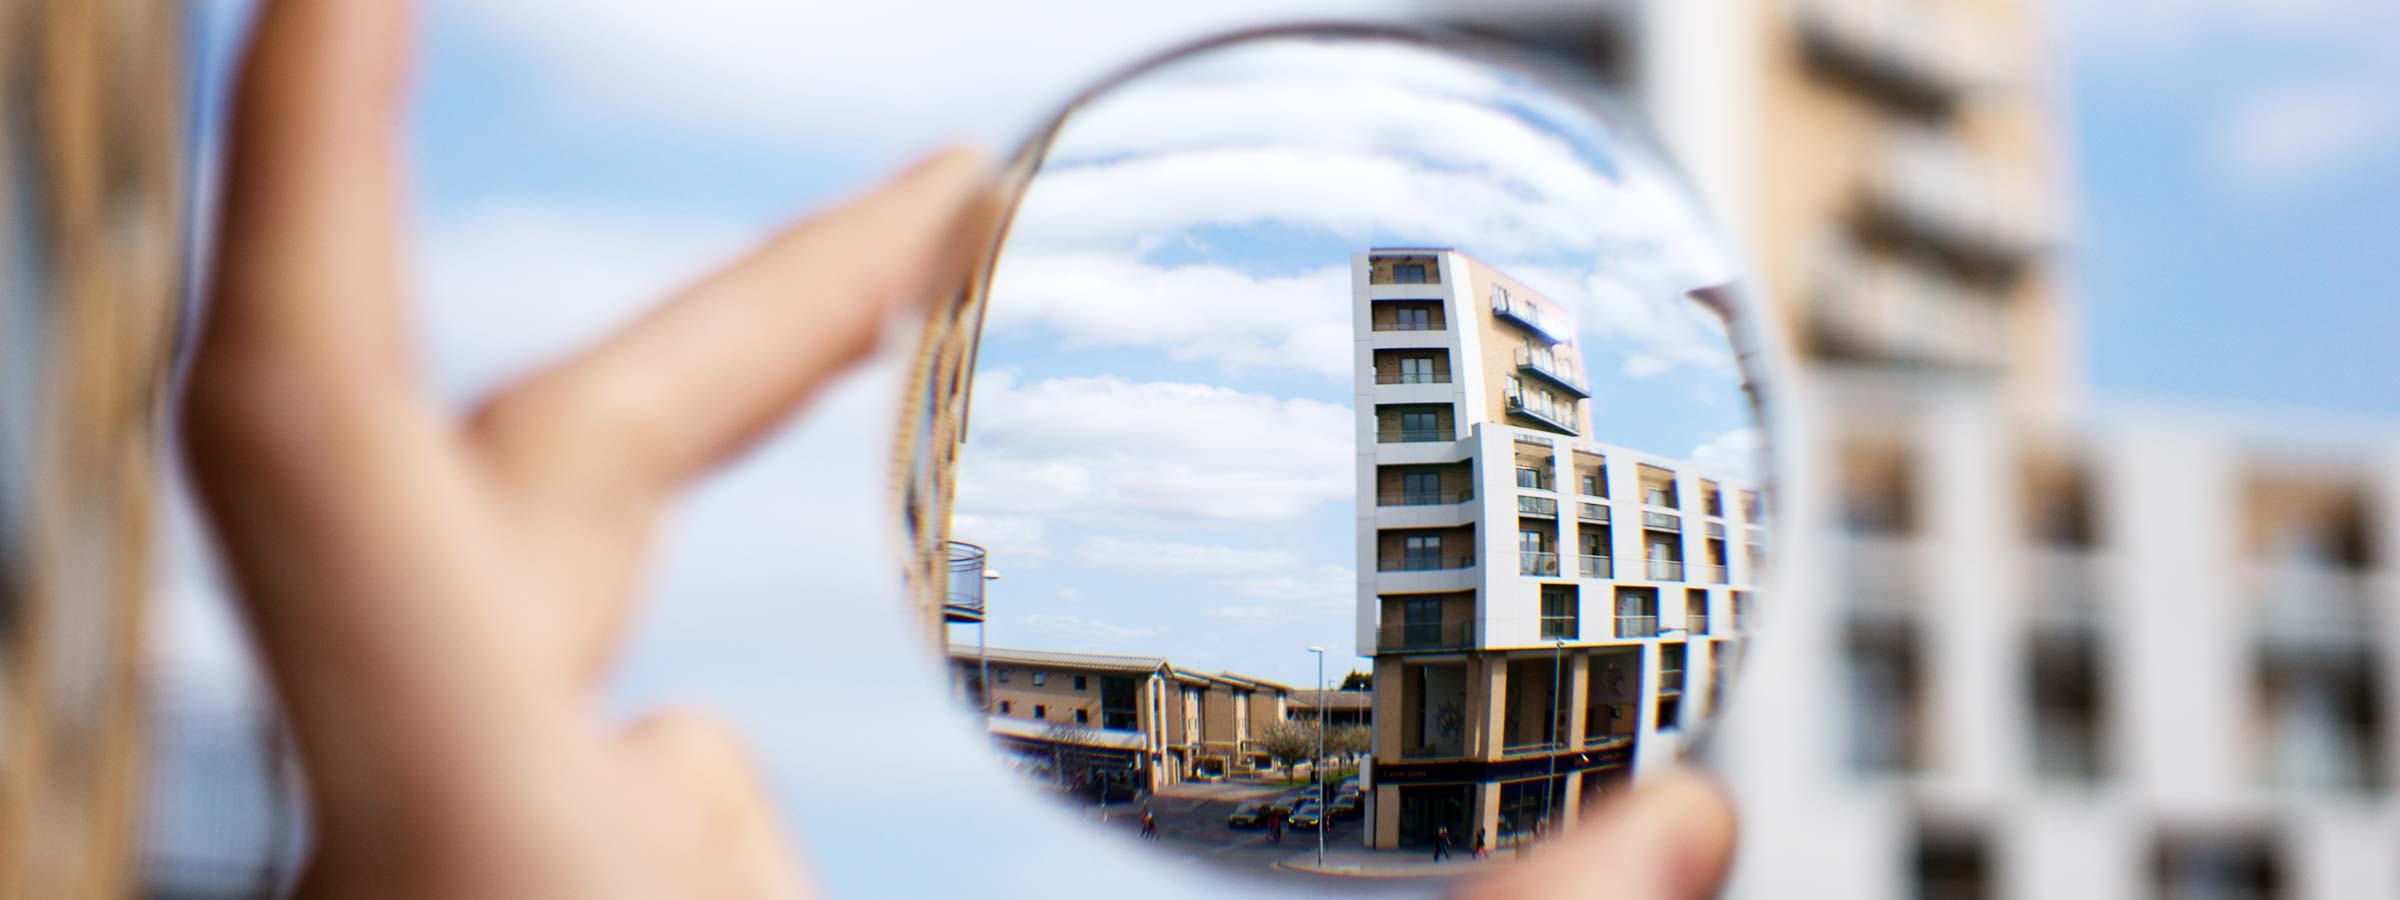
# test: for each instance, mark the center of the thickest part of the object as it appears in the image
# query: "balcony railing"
(1426, 636)
(1425, 563)
(1598, 567)
(1926, 181)
(1546, 367)
(1662, 521)
(1665, 569)
(1415, 436)
(1536, 746)
(2313, 604)
(1412, 378)
(1637, 626)
(1530, 562)
(1423, 498)
(1434, 325)
(1715, 529)
(1561, 419)
(1524, 313)
(1718, 574)
(1903, 46)
(1695, 623)
(1555, 628)
(1592, 512)
(1537, 506)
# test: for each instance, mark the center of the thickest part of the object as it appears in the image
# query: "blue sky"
(575, 160)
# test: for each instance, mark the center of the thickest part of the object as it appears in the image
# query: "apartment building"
(1072, 718)
(1546, 612)
(1335, 708)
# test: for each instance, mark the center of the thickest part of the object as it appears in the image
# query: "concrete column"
(1487, 705)
(1575, 693)
(1386, 815)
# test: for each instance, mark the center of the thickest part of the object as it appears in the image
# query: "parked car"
(1306, 815)
(1283, 805)
(1248, 815)
(1349, 804)
(1349, 785)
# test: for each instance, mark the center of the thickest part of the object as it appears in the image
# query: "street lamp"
(1558, 648)
(1324, 803)
(983, 659)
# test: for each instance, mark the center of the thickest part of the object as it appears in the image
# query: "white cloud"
(1250, 615)
(2280, 137)
(1077, 627)
(1011, 538)
(1645, 365)
(1736, 454)
(1105, 448)
(1177, 558)
(1198, 312)
(2173, 26)
(1321, 589)
(793, 72)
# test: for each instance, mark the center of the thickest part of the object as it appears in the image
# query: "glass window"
(1004, 707)
(1416, 370)
(1079, 682)
(1422, 551)
(1083, 717)
(1408, 273)
(1422, 426)
(1412, 318)
(1695, 611)
(1530, 477)
(1002, 675)
(1039, 677)
(1420, 488)
(1040, 711)
(1558, 613)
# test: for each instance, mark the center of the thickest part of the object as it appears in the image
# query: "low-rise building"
(1086, 720)
(1340, 708)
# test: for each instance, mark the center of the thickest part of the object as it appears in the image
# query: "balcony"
(1715, 529)
(1423, 498)
(1425, 563)
(1532, 747)
(1411, 378)
(1532, 562)
(1908, 49)
(1598, 566)
(1880, 574)
(1716, 574)
(1658, 521)
(1415, 435)
(1878, 307)
(2062, 585)
(1542, 507)
(1545, 366)
(1927, 183)
(1524, 312)
(1549, 415)
(1591, 512)
(1637, 626)
(2312, 605)
(1422, 636)
(1664, 569)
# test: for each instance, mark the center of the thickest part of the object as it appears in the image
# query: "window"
(1592, 485)
(1695, 611)
(1670, 668)
(2067, 741)
(1558, 612)
(1951, 865)
(1079, 682)
(1416, 370)
(1408, 273)
(1039, 677)
(1420, 488)
(1412, 318)
(1040, 711)
(1004, 707)
(1536, 557)
(1530, 477)
(1421, 621)
(1083, 717)
(1637, 612)
(1001, 675)
(1670, 712)
(1741, 611)
(1420, 426)
(1421, 551)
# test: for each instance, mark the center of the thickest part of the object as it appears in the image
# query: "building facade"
(1085, 721)
(1545, 611)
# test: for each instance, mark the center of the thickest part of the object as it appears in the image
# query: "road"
(1191, 819)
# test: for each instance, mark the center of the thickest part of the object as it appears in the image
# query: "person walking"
(1275, 825)
(1441, 843)
(1149, 824)
(1483, 849)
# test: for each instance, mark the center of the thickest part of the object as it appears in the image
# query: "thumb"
(1670, 839)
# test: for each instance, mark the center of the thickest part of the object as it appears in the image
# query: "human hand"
(1669, 839)
(436, 597)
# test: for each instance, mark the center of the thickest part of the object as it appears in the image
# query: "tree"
(1289, 742)
(1350, 740)
(1358, 681)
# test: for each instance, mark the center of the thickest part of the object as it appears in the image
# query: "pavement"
(1191, 820)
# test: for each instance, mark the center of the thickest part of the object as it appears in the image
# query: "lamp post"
(1324, 803)
(1558, 649)
(983, 659)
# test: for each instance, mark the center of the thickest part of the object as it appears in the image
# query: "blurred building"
(2018, 647)
(1519, 664)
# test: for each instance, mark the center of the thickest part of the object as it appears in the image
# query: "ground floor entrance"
(1427, 809)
